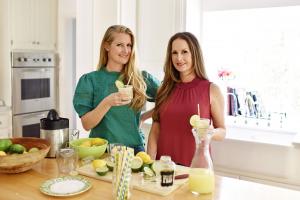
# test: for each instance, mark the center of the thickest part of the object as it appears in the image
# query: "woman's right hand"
(117, 99)
(92, 118)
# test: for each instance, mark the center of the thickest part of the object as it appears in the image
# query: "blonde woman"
(185, 85)
(106, 112)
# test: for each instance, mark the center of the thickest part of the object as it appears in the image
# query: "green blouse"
(121, 123)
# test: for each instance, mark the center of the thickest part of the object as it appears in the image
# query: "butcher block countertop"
(25, 186)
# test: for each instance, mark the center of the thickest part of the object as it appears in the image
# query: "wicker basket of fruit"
(21, 154)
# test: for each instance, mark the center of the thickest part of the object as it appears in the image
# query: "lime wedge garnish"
(156, 167)
(148, 172)
(119, 84)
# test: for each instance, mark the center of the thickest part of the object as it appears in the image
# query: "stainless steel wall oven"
(34, 90)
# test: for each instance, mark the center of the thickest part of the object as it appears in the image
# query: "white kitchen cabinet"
(33, 24)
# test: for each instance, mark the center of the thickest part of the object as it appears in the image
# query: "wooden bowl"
(16, 163)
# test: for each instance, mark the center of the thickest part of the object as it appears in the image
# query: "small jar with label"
(167, 171)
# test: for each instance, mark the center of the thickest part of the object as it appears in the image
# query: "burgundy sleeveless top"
(176, 138)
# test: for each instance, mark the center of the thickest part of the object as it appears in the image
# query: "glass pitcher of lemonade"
(201, 175)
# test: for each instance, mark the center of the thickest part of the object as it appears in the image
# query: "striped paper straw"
(124, 173)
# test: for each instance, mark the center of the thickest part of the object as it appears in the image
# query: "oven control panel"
(33, 59)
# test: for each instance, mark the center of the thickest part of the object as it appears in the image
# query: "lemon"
(97, 141)
(2, 153)
(98, 163)
(86, 143)
(119, 84)
(145, 157)
(195, 121)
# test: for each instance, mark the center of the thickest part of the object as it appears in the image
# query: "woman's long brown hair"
(137, 81)
(172, 76)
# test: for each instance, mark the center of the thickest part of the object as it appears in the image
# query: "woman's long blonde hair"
(172, 76)
(137, 81)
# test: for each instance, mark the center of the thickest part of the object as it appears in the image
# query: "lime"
(16, 148)
(136, 164)
(148, 173)
(99, 163)
(110, 165)
(4, 144)
(156, 167)
(102, 171)
(119, 84)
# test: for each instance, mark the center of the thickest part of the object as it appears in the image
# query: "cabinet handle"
(33, 42)
(37, 42)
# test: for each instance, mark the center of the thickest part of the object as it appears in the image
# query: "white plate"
(65, 186)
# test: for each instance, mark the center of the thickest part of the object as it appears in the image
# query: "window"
(261, 47)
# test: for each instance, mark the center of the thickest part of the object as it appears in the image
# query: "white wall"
(105, 14)
(194, 17)
(5, 65)
(128, 14)
(84, 37)
(155, 25)
(67, 64)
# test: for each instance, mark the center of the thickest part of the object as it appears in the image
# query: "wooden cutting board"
(137, 180)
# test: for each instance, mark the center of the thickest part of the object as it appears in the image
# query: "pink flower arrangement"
(225, 74)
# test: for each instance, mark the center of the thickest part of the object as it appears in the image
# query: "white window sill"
(259, 131)
(258, 134)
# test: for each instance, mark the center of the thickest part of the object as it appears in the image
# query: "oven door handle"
(36, 70)
(30, 116)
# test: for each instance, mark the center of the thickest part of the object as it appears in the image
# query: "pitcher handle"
(74, 134)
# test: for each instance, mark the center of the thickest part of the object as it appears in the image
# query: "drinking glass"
(111, 146)
(127, 90)
(67, 160)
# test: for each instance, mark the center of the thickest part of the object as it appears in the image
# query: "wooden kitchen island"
(25, 186)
